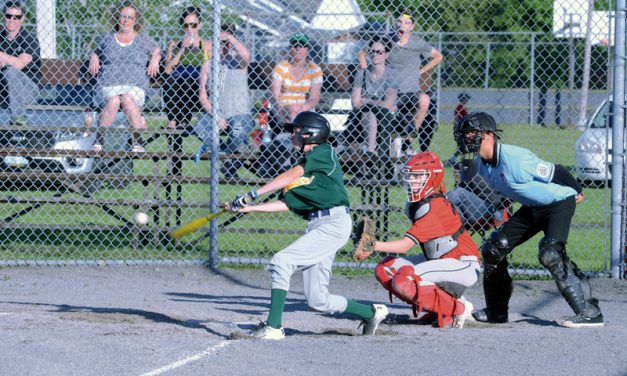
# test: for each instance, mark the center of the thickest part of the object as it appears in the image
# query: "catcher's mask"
(423, 175)
(469, 131)
(308, 128)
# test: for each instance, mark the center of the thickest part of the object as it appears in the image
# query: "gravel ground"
(175, 321)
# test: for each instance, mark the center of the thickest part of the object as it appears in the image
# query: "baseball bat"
(195, 224)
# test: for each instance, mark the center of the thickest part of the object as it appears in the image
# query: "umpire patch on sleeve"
(543, 170)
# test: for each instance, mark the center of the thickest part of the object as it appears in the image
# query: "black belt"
(322, 213)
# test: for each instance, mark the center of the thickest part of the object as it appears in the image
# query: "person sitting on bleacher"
(235, 116)
(119, 62)
(19, 64)
(375, 88)
(183, 61)
(296, 83)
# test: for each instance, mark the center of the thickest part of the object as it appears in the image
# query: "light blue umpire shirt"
(521, 176)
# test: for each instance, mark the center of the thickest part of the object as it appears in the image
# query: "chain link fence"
(107, 106)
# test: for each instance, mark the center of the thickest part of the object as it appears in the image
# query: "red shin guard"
(384, 272)
(429, 297)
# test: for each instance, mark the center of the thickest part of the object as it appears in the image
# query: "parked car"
(593, 150)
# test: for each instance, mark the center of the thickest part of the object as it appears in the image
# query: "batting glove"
(244, 200)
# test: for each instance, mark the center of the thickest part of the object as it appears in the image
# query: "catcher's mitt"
(365, 236)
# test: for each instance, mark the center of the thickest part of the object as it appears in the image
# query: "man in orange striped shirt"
(296, 82)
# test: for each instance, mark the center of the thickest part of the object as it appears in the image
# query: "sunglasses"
(193, 25)
(298, 45)
(9, 16)
(377, 52)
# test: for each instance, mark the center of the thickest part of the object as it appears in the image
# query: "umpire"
(548, 194)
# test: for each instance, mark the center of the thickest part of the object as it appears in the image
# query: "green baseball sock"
(362, 310)
(277, 304)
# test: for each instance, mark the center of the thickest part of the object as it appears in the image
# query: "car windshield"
(600, 120)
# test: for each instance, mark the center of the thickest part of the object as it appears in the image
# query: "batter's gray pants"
(313, 253)
(22, 90)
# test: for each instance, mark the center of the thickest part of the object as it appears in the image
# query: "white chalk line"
(210, 350)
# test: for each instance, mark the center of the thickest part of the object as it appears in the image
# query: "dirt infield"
(175, 320)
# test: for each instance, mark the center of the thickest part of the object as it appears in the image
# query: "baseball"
(141, 218)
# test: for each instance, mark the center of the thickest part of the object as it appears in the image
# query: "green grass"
(587, 243)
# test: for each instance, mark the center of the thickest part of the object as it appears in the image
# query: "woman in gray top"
(375, 89)
(119, 62)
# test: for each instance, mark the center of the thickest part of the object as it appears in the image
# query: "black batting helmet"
(312, 124)
(477, 122)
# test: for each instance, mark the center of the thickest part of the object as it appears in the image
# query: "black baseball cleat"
(583, 321)
(491, 316)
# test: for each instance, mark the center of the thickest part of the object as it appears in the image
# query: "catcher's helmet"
(312, 124)
(469, 130)
(423, 175)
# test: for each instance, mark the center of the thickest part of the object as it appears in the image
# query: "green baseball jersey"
(321, 186)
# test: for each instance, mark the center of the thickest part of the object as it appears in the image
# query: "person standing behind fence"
(235, 117)
(183, 61)
(373, 98)
(407, 56)
(460, 108)
(548, 194)
(296, 83)
(459, 113)
(119, 62)
(19, 63)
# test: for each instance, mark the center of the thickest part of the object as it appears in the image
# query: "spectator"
(459, 113)
(460, 109)
(235, 117)
(374, 93)
(406, 57)
(119, 62)
(183, 62)
(296, 83)
(19, 61)
(430, 124)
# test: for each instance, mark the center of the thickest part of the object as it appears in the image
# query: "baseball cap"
(299, 38)
(463, 95)
(482, 121)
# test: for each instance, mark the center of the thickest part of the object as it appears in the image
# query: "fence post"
(618, 158)
(532, 80)
(215, 110)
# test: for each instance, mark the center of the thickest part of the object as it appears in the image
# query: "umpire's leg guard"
(497, 283)
(430, 297)
(571, 282)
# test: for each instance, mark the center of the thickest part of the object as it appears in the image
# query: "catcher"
(313, 189)
(435, 280)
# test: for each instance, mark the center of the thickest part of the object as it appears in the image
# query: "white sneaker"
(380, 313)
(264, 331)
(459, 320)
(137, 148)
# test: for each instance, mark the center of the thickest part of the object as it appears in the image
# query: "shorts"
(136, 92)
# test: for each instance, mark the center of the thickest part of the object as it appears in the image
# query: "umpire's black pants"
(553, 219)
